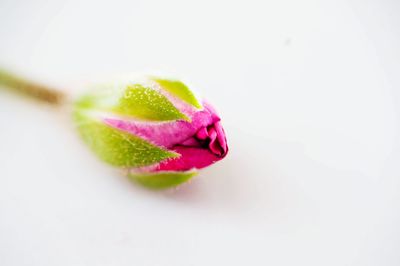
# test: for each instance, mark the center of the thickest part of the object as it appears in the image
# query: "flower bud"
(155, 128)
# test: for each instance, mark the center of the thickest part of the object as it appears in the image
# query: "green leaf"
(180, 90)
(117, 147)
(147, 104)
(162, 179)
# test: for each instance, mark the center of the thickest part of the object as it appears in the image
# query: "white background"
(309, 96)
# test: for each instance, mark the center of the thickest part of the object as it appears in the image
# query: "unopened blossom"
(156, 129)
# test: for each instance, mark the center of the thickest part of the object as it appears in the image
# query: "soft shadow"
(238, 183)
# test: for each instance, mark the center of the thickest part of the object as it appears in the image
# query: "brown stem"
(31, 89)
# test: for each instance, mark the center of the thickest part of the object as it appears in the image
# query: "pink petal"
(166, 134)
(190, 158)
(221, 136)
(191, 142)
(202, 133)
(200, 142)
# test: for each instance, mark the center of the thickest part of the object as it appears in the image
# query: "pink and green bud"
(156, 128)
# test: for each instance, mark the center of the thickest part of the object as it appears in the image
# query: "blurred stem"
(32, 89)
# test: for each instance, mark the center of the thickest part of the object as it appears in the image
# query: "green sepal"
(180, 90)
(117, 147)
(132, 100)
(162, 180)
(147, 104)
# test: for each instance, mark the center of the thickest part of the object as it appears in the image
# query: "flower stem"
(32, 89)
